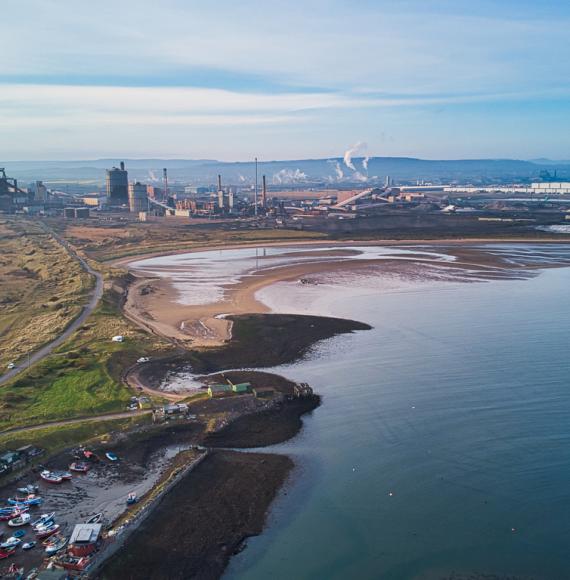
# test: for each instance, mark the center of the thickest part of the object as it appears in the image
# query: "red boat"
(78, 563)
(6, 553)
(90, 455)
(47, 532)
(79, 467)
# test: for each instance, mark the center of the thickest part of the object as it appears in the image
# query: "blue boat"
(111, 456)
(132, 498)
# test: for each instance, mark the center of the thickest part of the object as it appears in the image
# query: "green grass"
(83, 377)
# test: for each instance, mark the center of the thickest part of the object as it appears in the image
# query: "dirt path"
(96, 295)
(94, 419)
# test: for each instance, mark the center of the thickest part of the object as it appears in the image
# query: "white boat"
(20, 520)
(43, 520)
(55, 544)
(11, 542)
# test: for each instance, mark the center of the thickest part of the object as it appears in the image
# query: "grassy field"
(42, 288)
(83, 377)
(107, 241)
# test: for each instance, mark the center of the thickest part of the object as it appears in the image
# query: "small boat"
(19, 533)
(65, 475)
(29, 545)
(132, 498)
(48, 531)
(77, 563)
(31, 500)
(14, 572)
(20, 520)
(7, 552)
(43, 520)
(95, 519)
(10, 543)
(79, 467)
(50, 477)
(33, 574)
(55, 544)
(111, 456)
(30, 488)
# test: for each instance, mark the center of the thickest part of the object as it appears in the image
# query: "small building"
(264, 392)
(302, 390)
(215, 391)
(84, 539)
(175, 409)
(241, 387)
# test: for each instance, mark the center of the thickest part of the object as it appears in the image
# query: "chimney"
(122, 165)
(264, 194)
(165, 179)
(219, 182)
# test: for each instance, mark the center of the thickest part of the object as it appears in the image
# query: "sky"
(284, 79)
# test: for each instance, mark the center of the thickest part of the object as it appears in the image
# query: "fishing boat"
(30, 488)
(65, 475)
(29, 545)
(79, 467)
(50, 477)
(55, 544)
(7, 552)
(23, 502)
(20, 520)
(14, 513)
(77, 563)
(111, 456)
(43, 533)
(43, 520)
(132, 498)
(10, 543)
(95, 519)
(19, 533)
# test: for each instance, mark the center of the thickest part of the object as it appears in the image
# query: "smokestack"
(122, 165)
(264, 194)
(219, 182)
(165, 179)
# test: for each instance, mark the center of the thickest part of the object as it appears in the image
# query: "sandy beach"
(153, 302)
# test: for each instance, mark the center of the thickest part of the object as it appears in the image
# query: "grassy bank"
(42, 288)
(84, 376)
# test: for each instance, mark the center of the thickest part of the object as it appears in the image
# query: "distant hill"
(301, 172)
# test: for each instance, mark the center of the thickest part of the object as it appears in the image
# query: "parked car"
(11, 365)
(143, 359)
(118, 338)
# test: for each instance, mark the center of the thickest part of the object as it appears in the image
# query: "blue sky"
(284, 79)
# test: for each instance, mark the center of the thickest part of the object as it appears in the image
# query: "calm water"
(443, 442)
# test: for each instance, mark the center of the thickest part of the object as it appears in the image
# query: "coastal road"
(48, 348)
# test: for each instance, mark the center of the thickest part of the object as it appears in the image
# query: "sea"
(442, 447)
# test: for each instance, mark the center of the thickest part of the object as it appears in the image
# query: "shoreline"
(153, 302)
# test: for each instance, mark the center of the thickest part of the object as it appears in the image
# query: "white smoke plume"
(289, 176)
(359, 176)
(241, 178)
(357, 149)
(365, 163)
(338, 170)
(152, 175)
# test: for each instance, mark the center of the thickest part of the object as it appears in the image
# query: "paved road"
(45, 350)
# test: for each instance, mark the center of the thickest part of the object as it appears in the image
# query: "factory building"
(138, 200)
(117, 185)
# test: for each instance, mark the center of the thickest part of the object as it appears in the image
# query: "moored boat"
(111, 456)
(55, 544)
(43, 520)
(77, 563)
(29, 545)
(132, 498)
(79, 467)
(48, 531)
(7, 552)
(50, 477)
(95, 519)
(10, 543)
(20, 520)
(30, 488)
